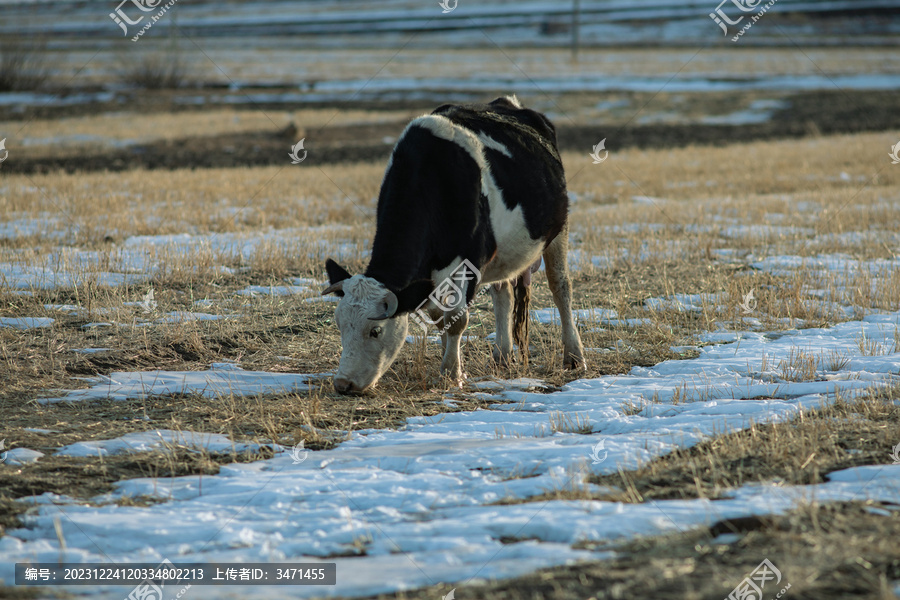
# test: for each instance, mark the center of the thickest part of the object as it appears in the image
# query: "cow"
(474, 188)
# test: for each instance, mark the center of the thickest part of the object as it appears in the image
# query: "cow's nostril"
(341, 385)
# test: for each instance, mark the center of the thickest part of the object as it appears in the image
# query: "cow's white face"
(371, 336)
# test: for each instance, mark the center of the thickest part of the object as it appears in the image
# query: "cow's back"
(521, 152)
(481, 182)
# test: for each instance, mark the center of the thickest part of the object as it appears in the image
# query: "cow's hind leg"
(451, 365)
(556, 260)
(502, 294)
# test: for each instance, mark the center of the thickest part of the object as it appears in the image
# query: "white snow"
(182, 316)
(686, 302)
(21, 456)
(222, 379)
(585, 315)
(273, 290)
(26, 322)
(144, 441)
(24, 277)
(138, 258)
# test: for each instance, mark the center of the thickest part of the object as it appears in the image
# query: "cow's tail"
(522, 293)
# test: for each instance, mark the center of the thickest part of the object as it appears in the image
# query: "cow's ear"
(336, 272)
(410, 297)
(336, 276)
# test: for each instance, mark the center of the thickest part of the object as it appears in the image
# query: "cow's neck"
(399, 258)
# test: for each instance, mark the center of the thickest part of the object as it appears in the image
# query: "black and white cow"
(480, 183)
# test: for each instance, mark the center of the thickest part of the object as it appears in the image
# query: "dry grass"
(695, 236)
(23, 65)
(696, 205)
(97, 208)
(645, 249)
(824, 551)
(801, 451)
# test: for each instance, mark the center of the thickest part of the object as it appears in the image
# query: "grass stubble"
(646, 224)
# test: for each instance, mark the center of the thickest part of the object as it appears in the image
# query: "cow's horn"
(390, 302)
(334, 288)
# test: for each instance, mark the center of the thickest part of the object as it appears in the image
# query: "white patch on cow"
(439, 275)
(515, 248)
(360, 291)
(493, 144)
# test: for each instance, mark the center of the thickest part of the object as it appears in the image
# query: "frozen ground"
(419, 500)
(141, 257)
(471, 88)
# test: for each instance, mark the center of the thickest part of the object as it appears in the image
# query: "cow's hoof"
(575, 362)
(503, 359)
(453, 381)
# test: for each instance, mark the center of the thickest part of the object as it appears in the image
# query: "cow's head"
(373, 321)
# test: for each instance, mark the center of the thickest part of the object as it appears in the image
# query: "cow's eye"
(375, 332)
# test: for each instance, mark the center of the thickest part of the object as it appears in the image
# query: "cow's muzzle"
(345, 386)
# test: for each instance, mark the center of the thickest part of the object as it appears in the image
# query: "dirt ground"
(806, 114)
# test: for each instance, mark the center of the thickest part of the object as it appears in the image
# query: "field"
(166, 353)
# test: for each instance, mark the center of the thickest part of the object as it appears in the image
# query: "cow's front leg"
(455, 323)
(503, 305)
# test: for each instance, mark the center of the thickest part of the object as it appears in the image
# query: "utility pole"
(576, 14)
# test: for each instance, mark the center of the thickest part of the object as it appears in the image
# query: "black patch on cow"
(410, 297)
(431, 209)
